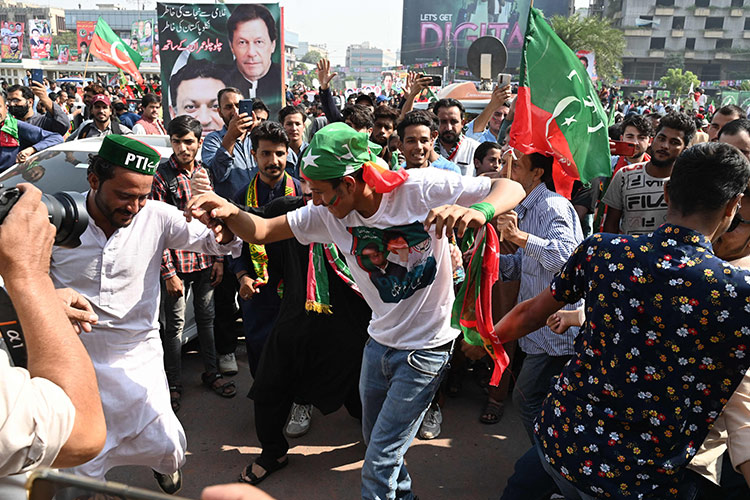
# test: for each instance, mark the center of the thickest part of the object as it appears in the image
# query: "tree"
(677, 82)
(312, 57)
(307, 76)
(596, 35)
(674, 60)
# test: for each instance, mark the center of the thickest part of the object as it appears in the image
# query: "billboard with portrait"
(63, 54)
(443, 30)
(588, 59)
(40, 39)
(84, 34)
(206, 47)
(142, 38)
(12, 41)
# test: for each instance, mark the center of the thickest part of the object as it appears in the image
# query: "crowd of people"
(334, 231)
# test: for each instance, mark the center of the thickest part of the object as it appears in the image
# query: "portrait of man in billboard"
(252, 36)
(193, 91)
(83, 51)
(387, 82)
(14, 48)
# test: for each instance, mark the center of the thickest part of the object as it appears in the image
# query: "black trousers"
(271, 416)
(227, 311)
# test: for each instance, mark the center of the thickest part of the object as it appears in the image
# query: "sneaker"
(430, 428)
(299, 421)
(228, 364)
(169, 483)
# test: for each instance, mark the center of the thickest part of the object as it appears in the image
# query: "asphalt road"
(469, 460)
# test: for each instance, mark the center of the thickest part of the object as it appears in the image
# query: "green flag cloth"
(558, 112)
(109, 47)
(338, 150)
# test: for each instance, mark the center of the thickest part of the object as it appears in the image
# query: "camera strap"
(11, 330)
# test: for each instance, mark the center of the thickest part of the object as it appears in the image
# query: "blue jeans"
(529, 480)
(396, 387)
(533, 384)
(174, 322)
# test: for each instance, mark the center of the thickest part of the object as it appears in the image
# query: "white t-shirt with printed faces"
(403, 271)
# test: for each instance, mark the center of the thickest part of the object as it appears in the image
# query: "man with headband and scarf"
(374, 215)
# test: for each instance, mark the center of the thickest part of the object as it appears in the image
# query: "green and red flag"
(110, 48)
(472, 309)
(558, 112)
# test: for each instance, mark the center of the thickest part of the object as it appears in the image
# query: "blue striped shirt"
(554, 233)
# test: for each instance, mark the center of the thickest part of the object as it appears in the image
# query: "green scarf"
(258, 255)
(318, 293)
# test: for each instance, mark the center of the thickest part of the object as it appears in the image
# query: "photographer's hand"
(78, 309)
(22, 256)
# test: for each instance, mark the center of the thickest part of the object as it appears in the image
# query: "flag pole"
(86, 68)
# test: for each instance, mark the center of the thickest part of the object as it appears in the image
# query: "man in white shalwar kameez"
(116, 268)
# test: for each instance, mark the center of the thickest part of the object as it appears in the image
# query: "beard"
(449, 137)
(662, 163)
(109, 213)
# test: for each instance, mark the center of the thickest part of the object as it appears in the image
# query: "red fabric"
(529, 134)
(381, 179)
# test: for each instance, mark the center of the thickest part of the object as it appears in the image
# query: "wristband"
(244, 273)
(487, 209)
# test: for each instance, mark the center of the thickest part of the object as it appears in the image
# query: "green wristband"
(487, 209)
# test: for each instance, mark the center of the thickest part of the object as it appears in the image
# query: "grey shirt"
(56, 121)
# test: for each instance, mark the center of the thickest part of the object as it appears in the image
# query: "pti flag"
(110, 48)
(558, 112)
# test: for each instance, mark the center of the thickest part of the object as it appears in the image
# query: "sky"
(335, 23)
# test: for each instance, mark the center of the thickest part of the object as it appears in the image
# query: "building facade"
(711, 38)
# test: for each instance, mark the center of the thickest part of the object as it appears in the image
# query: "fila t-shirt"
(640, 197)
(403, 271)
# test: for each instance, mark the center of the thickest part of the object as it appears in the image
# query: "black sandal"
(492, 413)
(225, 390)
(175, 396)
(270, 466)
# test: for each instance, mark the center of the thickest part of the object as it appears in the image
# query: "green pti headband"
(130, 153)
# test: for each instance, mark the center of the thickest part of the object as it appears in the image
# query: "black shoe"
(169, 483)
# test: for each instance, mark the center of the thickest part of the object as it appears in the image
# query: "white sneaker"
(430, 428)
(299, 421)
(228, 364)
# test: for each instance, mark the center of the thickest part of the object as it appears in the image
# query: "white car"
(63, 168)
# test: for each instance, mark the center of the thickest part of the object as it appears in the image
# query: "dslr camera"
(67, 212)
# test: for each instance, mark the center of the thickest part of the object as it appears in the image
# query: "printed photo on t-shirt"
(399, 259)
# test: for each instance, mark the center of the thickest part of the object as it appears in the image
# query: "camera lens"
(67, 212)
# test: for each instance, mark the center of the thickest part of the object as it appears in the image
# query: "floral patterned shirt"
(663, 348)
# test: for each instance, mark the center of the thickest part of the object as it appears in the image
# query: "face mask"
(18, 111)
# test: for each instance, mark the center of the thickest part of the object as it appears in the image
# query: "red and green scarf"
(258, 255)
(318, 294)
(472, 310)
(9, 132)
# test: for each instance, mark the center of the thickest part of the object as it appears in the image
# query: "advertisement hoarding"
(12, 41)
(443, 30)
(206, 47)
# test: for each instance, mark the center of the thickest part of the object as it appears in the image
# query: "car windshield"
(64, 167)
